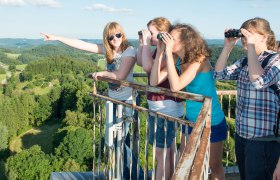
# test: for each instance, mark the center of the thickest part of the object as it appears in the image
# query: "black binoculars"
(159, 36)
(233, 33)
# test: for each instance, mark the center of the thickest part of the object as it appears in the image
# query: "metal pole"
(109, 133)
(119, 141)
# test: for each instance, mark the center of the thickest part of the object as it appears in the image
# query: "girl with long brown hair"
(184, 50)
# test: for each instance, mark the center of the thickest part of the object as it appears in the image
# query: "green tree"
(12, 67)
(2, 70)
(4, 135)
(72, 166)
(28, 104)
(6, 60)
(8, 116)
(29, 164)
(25, 76)
(2, 170)
(43, 109)
(74, 118)
(76, 145)
(54, 97)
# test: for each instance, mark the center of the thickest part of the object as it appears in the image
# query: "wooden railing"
(230, 96)
(193, 163)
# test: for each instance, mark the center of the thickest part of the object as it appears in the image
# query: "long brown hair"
(262, 26)
(110, 29)
(161, 24)
(195, 46)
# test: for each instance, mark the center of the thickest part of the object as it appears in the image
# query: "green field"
(2, 76)
(4, 65)
(42, 136)
(21, 67)
(41, 91)
(12, 56)
(36, 89)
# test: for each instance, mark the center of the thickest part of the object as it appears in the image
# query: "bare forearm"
(79, 44)
(139, 55)
(222, 60)
(112, 75)
(255, 68)
(75, 43)
(155, 71)
(172, 74)
(147, 59)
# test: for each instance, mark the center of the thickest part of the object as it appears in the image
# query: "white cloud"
(102, 7)
(12, 2)
(40, 3)
(47, 3)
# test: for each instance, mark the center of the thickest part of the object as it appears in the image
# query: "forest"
(46, 112)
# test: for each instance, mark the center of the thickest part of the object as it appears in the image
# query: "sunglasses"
(110, 38)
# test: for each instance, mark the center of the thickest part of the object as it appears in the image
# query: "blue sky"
(87, 18)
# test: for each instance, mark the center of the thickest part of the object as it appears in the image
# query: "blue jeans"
(160, 134)
(256, 159)
(127, 151)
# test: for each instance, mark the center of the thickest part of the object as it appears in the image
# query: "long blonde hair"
(161, 24)
(262, 26)
(112, 28)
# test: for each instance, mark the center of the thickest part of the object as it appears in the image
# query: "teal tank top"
(204, 84)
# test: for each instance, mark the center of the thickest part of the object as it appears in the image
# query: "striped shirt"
(257, 105)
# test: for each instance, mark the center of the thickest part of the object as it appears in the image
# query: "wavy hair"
(195, 46)
(262, 26)
(110, 29)
(161, 23)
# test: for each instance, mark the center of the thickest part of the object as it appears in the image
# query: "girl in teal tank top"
(207, 88)
(184, 47)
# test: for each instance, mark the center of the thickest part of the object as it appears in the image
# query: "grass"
(12, 56)
(138, 69)
(37, 89)
(226, 85)
(21, 67)
(101, 63)
(42, 136)
(4, 66)
(2, 76)
(41, 91)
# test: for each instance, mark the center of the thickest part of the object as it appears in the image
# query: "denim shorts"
(160, 134)
(218, 132)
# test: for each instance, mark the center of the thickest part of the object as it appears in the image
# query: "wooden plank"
(201, 160)
(160, 90)
(186, 161)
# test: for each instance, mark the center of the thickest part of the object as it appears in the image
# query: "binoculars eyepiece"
(233, 33)
(159, 36)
